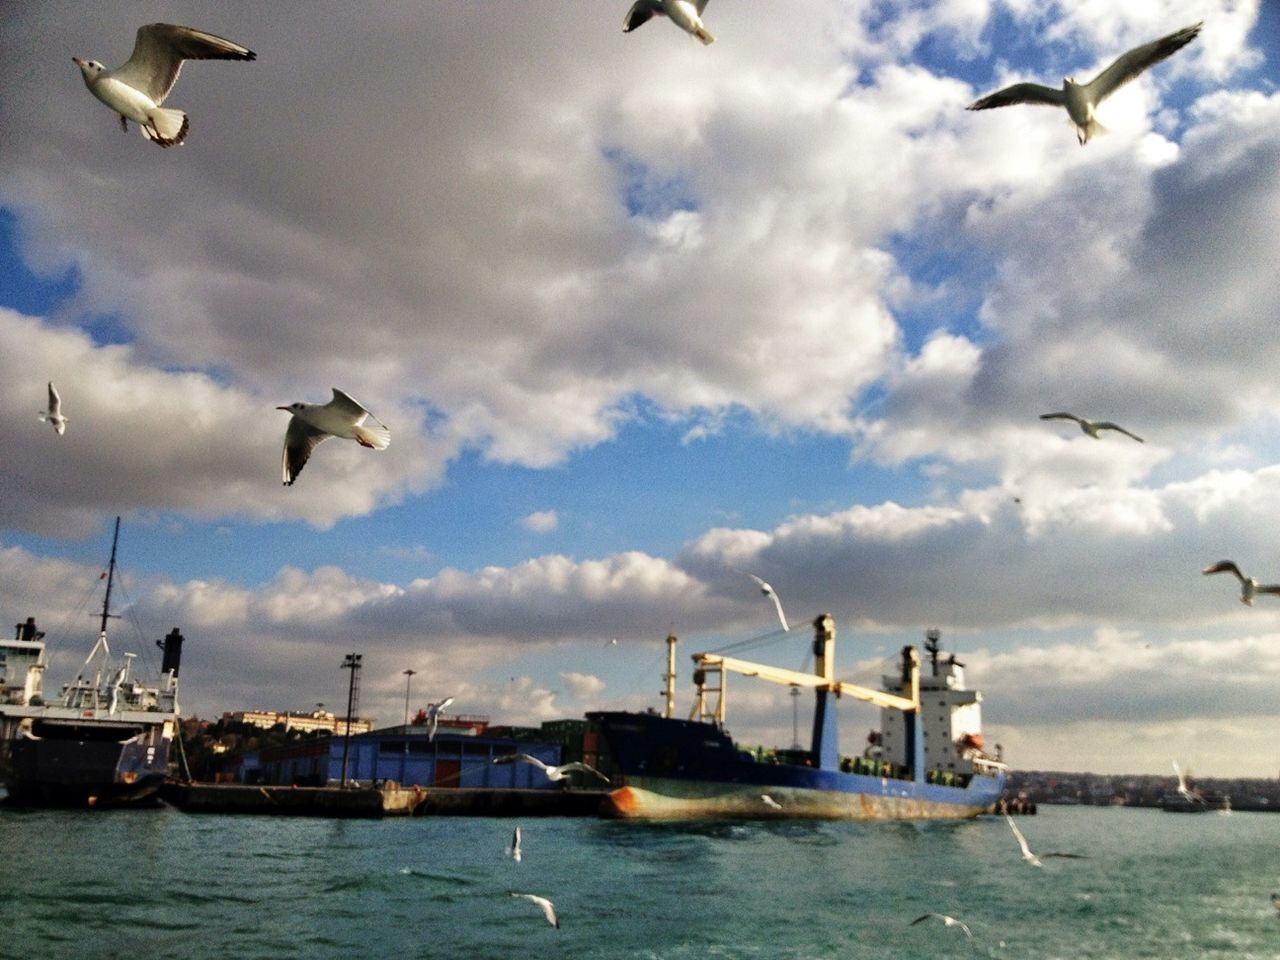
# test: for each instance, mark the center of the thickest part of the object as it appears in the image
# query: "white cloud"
(541, 521)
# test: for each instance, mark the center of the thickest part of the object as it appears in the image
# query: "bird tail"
(703, 34)
(166, 127)
(1090, 130)
(373, 434)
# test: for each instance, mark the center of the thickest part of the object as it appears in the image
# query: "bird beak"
(77, 61)
(285, 409)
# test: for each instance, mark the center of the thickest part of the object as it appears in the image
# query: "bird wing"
(548, 908)
(1108, 425)
(55, 402)
(1222, 566)
(521, 758)
(701, 5)
(1127, 66)
(1269, 588)
(641, 12)
(159, 50)
(1022, 841)
(584, 767)
(1033, 93)
(443, 703)
(299, 440)
(781, 616)
(1060, 416)
(344, 403)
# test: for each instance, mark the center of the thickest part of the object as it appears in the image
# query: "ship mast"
(111, 571)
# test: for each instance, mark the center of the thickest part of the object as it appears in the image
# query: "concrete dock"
(386, 800)
(369, 802)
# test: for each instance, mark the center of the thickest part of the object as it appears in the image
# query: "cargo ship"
(105, 740)
(927, 760)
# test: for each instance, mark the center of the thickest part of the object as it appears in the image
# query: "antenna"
(352, 663)
(111, 571)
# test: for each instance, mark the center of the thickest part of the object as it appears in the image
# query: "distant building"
(461, 756)
(304, 722)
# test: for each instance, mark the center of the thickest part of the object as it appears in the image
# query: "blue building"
(460, 755)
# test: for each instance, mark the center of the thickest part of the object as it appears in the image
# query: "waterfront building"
(307, 722)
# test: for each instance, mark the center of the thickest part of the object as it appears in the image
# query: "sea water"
(137, 885)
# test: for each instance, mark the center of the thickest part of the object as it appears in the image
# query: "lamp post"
(795, 717)
(352, 663)
(408, 677)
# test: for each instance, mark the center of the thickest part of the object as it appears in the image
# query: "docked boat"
(104, 740)
(927, 760)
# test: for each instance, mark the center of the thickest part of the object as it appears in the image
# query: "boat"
(105, 740)
(927, 760)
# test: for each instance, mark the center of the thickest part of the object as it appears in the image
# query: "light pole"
(408, 677)
(795, 717)
(352, 663)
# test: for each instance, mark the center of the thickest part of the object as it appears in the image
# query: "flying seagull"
(1191, 796)
(1027, 855)
(1091, 427)
(685, 14)
(946, 920)
(552, 773)
(314, 423)
(136, 89)
(1082, 99)
(769, 802)
(513, 851)
(1030, 857)
(548, 908)
(54, 414)
(1249, 586)
(769, 592)
(433, 717)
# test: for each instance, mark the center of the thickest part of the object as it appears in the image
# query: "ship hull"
(86, 765)
(676, 769)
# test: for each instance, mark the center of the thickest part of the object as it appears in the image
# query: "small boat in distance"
(105, 740)
(925, 762)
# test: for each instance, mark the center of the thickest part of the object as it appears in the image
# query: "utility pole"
(408, 676)
(795, 717)
(352, 663)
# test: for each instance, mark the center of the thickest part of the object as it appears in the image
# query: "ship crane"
(710, 670)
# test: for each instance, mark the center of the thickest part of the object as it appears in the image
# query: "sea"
(143, 884)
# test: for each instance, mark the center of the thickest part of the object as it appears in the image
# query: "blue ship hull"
(681, 769)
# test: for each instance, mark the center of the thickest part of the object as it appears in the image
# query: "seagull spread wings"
(1081, 99)
(1027, 855)
(1249, 586)
(769, 592)
(1091, 427)
(548, 908)
(54, 414)
(947, 921)
(159, 50)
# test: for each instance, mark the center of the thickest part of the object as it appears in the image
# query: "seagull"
(769, 802)
(1091, 427)
(768, 592)
(1081, 99)
(685, 14)
(1191, 796)
(552, 773)
(1249, 586)
(513, 851)
(947, 921)
(548, 908)
(313, 423)
(54, 414)
(433, 718)
(136, 89)
(1030, 857)
(1027, 855)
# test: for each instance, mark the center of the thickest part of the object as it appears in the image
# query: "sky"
(644, 317)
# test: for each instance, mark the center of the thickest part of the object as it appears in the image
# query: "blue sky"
(641, 316)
